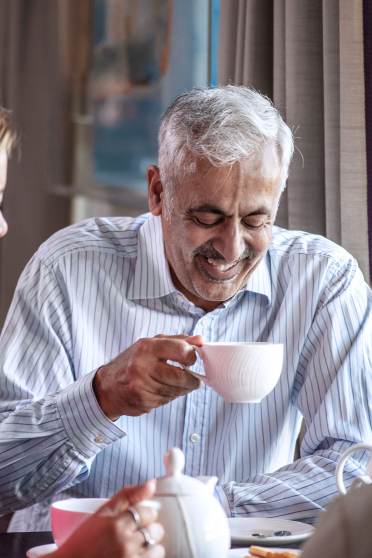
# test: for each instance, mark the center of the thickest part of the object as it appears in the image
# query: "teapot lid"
(174, 482)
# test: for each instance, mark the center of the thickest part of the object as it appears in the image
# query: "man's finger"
(175, 377)
(196, 340)
(178, 350)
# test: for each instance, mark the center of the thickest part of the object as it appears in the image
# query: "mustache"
(209, 252)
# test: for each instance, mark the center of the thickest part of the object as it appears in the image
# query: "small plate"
(242, 552)
(42, 550)
(246, 530)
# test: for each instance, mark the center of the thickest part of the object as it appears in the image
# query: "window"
(146, 52)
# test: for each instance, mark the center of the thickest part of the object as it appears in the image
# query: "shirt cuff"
(221, 496)
(86, 425)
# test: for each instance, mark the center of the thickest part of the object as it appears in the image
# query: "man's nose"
(231, 243)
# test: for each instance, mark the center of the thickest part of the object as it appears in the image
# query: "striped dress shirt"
(95, 288)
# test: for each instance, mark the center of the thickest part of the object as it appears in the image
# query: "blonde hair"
(7, 135)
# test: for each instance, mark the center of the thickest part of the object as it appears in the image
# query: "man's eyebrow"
(207, 208)
(263, 210)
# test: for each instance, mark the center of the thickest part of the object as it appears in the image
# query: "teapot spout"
(210, 482)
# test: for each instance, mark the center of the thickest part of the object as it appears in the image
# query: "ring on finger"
(135, 516)
(148, 540)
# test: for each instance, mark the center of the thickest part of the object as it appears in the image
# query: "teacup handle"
(201, 377)
(364, 479)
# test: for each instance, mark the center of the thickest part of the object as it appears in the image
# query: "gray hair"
(223, 125)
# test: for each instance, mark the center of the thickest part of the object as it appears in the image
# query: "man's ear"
(155, 190)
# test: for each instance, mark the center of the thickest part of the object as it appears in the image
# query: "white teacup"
(360, 480)
(68, 515)
(242, 372)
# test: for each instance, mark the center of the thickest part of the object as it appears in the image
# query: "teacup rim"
(62, 504)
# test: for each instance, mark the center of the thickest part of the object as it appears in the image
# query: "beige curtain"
(307, 55)
(33, 84)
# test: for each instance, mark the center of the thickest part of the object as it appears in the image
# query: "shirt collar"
(152, 278)
(260, 279)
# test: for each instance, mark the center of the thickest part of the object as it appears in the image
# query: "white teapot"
(194, 521)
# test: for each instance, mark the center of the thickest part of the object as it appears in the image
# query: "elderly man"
(106, 316)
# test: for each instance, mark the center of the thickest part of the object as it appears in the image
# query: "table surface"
(15, 545)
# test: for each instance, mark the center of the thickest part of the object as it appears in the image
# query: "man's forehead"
(216, 186)
(263, 164)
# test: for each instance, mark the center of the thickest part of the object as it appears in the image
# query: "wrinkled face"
(3, 171)
(217, 228)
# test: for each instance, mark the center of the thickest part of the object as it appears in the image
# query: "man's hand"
(140, 379)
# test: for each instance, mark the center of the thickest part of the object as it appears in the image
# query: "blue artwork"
(146, 52)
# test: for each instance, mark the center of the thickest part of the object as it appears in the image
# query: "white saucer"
(42, 550)
(243, 531)
(242, 552)
(39, 551)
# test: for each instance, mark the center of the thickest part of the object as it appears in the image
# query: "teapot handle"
(364, 479)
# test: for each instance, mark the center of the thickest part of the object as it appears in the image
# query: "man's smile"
(217, 270)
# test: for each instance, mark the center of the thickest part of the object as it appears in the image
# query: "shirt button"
(100, 440)
(194, 438)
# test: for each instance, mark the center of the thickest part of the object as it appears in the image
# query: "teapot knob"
(174, 461)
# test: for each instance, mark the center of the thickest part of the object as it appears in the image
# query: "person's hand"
(140, 379)
(113, 532)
